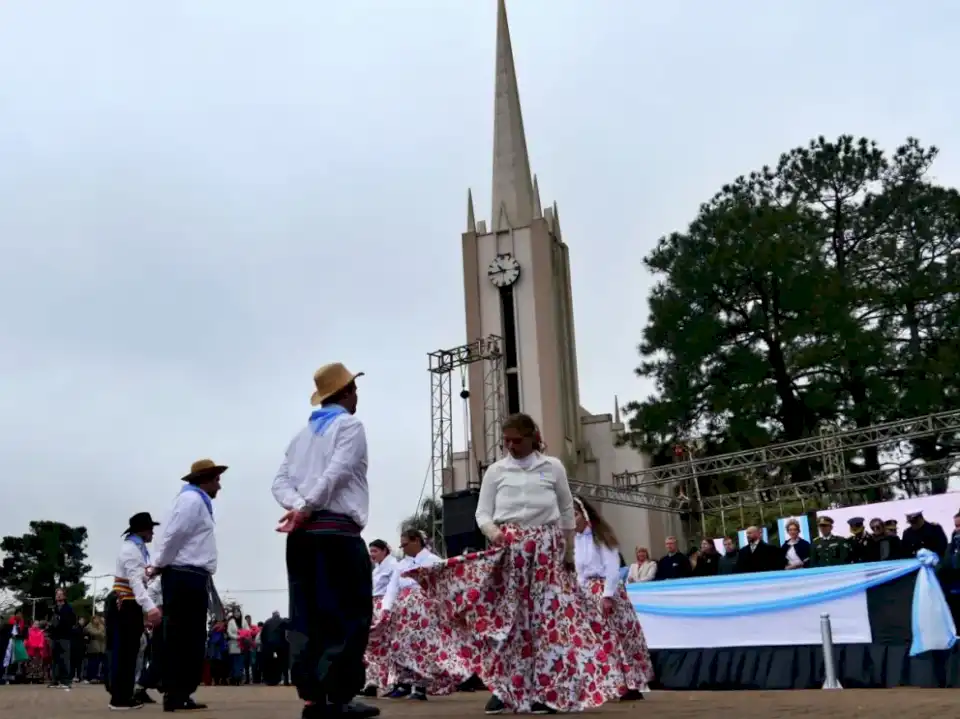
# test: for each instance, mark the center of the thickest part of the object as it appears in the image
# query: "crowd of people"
(541, 618)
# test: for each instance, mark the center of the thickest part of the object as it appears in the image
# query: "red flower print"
(473, 595)
(529, 547)
(517, 681)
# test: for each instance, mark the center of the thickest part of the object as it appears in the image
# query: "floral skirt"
(423, 649)
(378, 647)
(624, 636)
(525, 628)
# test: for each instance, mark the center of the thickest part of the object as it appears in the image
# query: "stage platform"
(34, 702)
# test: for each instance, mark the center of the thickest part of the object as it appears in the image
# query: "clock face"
(504, 270)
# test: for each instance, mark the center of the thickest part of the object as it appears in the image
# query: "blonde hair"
(792, 523)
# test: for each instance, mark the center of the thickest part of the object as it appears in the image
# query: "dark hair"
(381, 545)
(338, 396)
(733, 538)
(524, 424)
(411, 534)
(603, 533)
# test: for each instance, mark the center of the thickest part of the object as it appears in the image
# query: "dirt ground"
(18, 702)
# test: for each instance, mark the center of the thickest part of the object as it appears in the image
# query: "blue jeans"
(236, 667)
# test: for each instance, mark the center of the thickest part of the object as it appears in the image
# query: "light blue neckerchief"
(203, 495)
(142, 546)
(321, 418)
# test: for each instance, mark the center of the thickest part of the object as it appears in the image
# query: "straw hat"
(330, 379)
(203, 468)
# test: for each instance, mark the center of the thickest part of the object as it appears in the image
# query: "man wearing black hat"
(922, 534)
(187, 560)
(859, 540)
(828, 550)
(322, 484)
(130, 602)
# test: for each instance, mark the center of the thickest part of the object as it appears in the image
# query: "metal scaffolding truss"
(812, 491)
(826, 445)
(442, 364)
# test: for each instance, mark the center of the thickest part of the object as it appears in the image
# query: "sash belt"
(122, 590)
(325, 522)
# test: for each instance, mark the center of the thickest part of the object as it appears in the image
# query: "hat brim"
(205, 473)
(131, 530)
(316, 398)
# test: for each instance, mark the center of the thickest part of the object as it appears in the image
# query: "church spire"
(512, 187)
(471, 220)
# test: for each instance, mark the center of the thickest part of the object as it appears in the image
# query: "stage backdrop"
(939, 508)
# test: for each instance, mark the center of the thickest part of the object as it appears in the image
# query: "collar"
(539, 460)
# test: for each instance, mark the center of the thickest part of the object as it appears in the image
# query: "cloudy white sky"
(201, 202)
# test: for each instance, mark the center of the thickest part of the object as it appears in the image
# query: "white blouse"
(426, 558)
(532, 492)
(596, 561)
(645, 572)
(381, 575)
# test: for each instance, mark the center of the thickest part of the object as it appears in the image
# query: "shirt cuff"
(299, 504)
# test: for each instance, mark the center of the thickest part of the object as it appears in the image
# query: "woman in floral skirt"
(524, 625)
(423, 656)
(379, 642)
(598, 570)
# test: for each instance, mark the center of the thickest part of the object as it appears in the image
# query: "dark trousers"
(61, 662)
(331, 608)
(275, 660)
(185, 601)
(124, 630)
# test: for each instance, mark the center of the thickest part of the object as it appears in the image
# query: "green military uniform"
(859, 540)
(829, 550)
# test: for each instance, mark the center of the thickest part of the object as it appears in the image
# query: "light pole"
(93, 596)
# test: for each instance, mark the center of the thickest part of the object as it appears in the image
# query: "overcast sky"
(201, 202)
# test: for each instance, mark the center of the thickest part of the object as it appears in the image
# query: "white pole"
(829, 663)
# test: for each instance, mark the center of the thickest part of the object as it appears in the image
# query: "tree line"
(822, 291)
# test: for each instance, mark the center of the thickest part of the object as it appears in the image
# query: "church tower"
(517, 282)
(517, 286)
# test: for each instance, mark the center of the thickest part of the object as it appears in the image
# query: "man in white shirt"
(125, 612)
(187, 560)
(322, 484)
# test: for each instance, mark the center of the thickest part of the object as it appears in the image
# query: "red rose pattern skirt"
(423, 649)
(378, 647)
(624, 636)
(524, 627)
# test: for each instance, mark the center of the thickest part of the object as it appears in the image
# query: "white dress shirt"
(596, 561)
(130, 566)
(532, 492)
(327, 470)
(381, 575)
(188, 539)
(425, 558)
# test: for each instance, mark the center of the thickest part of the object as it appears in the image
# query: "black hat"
(141, 522)
(890, 523)
(855, 521)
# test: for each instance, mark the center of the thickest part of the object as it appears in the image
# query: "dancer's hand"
(608, 606)
(569, 564)
(150, 572)
(153, 617)
(293, 519)
(499, 539)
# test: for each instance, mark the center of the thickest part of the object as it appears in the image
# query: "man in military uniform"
(922, 534)
(828, 549)
(891, 526)
(859, 540)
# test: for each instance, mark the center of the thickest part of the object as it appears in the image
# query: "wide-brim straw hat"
(330, 379)
(204, 468)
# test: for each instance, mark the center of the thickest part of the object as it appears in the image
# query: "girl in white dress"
(377, 647)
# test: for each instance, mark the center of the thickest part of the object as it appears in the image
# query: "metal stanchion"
(829, 665)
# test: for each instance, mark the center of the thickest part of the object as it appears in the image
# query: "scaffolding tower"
(442, 364)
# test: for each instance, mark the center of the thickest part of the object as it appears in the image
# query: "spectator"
(884, 545)
(708, 560)
(796, 550)
(674, 565)
(61, 637)
(644, 569)
(728, 562)
(96, 647)
(758, 556)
